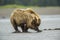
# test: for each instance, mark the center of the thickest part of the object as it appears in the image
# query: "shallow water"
(47, 21)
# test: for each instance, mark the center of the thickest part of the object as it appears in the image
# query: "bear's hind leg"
(15, 27)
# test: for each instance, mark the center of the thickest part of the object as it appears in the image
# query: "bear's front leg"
(24, 29)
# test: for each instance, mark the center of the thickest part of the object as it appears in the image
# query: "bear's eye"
(33, 22)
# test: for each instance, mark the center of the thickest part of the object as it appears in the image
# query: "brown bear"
(25, 19)
(34, 15)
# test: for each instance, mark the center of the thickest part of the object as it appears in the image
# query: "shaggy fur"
(25, 19)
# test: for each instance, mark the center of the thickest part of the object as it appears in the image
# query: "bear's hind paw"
(16, 32)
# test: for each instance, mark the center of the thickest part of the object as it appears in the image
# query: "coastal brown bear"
(34, 15)
(25, 18)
